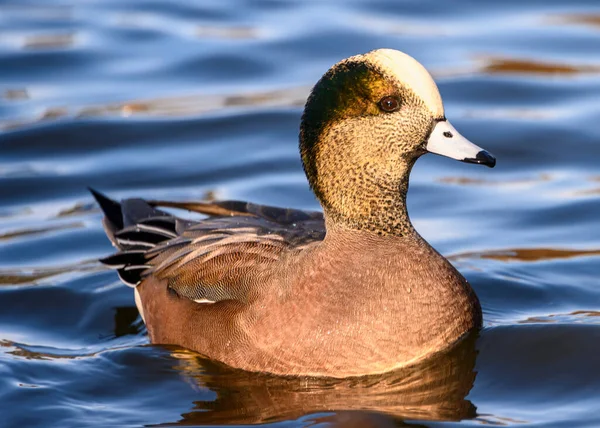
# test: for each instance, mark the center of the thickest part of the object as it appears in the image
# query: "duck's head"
(365, 123)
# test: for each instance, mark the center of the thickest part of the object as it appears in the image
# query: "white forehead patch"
(411, 74)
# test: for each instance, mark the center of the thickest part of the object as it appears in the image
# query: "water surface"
(188, 100)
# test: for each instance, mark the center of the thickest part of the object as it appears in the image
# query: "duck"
(352, 290)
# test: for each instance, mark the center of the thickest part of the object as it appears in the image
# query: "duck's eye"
(389, 104)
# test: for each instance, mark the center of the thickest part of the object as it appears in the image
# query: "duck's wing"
(281, 216)
(209, 260)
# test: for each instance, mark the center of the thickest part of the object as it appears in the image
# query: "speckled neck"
(378, 207)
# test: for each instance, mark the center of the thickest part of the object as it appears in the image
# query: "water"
(187, 100)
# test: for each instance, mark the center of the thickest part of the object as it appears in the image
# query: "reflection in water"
(470, 181)
(77, 209)
(21, 351)
(227, 32)
(352, 419)
(187, 105)
(49, 41)
(127, 321)
(588, 192)
(433, 390)
(575, 317)
(526, 254)
(39, 231)
(499, 65)
(31, 276)
(527, 182)
(15, 94)
(179, 106)
(590, 20)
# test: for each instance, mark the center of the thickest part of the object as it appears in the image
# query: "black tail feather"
(132, 276)
(125, 258)
(134, 227)
(112, 209)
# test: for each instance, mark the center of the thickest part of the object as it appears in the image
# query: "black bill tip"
(482, 158)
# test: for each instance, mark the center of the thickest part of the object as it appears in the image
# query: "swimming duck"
(351, 291)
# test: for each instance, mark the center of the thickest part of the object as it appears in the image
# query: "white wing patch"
(206, 301)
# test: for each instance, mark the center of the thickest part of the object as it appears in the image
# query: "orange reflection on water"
(49, 41)
(181, 106)
(526, 254)
(503, 65)
(572, 317)
(434, 389)
(589, 20)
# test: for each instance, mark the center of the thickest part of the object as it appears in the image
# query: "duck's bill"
(446, 141)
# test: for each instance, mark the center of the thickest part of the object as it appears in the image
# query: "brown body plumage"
(350, 292)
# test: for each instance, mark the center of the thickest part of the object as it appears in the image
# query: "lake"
(188, 100)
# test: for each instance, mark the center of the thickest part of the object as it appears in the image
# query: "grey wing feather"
(208, 260)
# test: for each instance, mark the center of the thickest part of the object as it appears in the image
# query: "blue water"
(189, 100)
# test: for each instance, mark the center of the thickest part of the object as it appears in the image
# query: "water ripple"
(191, 100)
